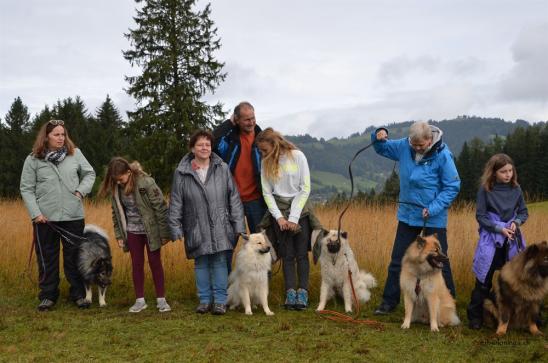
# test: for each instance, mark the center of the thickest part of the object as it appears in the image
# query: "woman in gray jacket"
(206, 210)
(55, 178)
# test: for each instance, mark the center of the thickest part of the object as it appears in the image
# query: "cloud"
(528, 79)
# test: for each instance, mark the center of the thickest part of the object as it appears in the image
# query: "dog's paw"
(102, 305)
(249, 312)
(405, 325)
(434, 328)
(269, 313)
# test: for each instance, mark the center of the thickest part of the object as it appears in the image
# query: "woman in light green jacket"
(139, 215)
(55, 178)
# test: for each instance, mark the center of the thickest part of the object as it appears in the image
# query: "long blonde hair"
(496, 162)
(116, 167)
(280, 146)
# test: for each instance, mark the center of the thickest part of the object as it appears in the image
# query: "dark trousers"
(254, 211)
(293, 249)
(47, 254)
(405, 235)
(482, 290)
(137, 243)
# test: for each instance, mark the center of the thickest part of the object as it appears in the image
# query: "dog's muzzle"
(437, 260)
(264, 250)
(334, 246)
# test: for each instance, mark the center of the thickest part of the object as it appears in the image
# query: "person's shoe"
(46, 305)
(162, 305)
(82, 303)
(218, 309)
(475, 324)
(302, 299)
(290, 299)
(203, 308)
(384, 309)
(139, 306)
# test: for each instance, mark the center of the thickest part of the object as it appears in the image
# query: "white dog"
(335, 261)
(248, 282)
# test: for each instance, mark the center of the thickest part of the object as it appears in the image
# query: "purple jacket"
(489, 242)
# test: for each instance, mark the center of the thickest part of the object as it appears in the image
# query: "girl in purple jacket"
(500, 211)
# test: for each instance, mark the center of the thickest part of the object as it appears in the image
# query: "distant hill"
(329, 159)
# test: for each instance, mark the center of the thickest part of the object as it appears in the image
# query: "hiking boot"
(384, 309)
(162, 305)
(203, 308)
(302, 299)
(475, 324)
(139, 306)
(290, 299)
(82, 303)
(218, 309)
(46, 305)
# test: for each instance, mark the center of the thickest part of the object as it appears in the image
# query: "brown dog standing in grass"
(521, 288)
(425, 295)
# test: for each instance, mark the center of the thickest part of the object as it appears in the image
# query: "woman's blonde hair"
(41, 142)
(489, 176)
(280, 146)
(116, 167)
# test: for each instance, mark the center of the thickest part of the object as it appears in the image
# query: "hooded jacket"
(431, 182)
(209, 215)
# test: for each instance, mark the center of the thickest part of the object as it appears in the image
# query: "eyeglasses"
(57, 122)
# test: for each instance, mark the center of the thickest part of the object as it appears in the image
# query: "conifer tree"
(173, 45)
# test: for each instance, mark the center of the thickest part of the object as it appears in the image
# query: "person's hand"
(283, 223)
(79, 195)
(40, 219)
(233, 119)
(425, 213)
(382, 135)
(508, 233)
(513, 226)
(292, 226)
(121, 243)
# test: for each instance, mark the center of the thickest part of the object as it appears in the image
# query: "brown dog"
(521, 287)
(426, 297)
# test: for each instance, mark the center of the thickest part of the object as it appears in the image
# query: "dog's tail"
(92, 228)
(362, 284)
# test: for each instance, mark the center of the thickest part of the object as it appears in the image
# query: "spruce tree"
(173, 45)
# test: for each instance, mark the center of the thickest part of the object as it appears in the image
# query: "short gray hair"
(238, 109)
(420, 130)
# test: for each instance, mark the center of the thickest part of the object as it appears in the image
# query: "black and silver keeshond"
(95, 262)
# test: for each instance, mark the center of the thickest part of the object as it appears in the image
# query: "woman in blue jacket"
(429, 182)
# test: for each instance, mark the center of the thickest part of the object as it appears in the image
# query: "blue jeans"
(254, 211)
(406, 235)
(211, 278)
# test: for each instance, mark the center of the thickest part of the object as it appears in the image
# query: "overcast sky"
(327, 68)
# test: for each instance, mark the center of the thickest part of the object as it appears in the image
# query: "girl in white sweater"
(285, 179)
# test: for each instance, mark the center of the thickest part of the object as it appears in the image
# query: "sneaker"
(203, 308)
(139, 306)
(82, 303)
(302, 299)
(163, 306)
(290, 299)
(384, 309)
(218, 309)
(46, 305)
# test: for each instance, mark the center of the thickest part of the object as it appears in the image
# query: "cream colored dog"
(248, 282)
(336, 258)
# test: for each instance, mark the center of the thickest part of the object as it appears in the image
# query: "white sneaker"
(139, 305)
(163, 306)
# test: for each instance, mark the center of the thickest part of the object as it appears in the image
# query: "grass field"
(112, 334)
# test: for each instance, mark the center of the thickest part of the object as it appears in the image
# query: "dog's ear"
(420, 241)
(435, 235)
(245, 236)
(344, 235)
(531, 252)
(315, 240)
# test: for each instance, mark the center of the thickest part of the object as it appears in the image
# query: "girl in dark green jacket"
(139, 214)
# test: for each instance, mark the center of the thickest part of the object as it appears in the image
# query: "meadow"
(111, 333)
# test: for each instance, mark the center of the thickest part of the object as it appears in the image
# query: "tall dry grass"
(371, 231)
